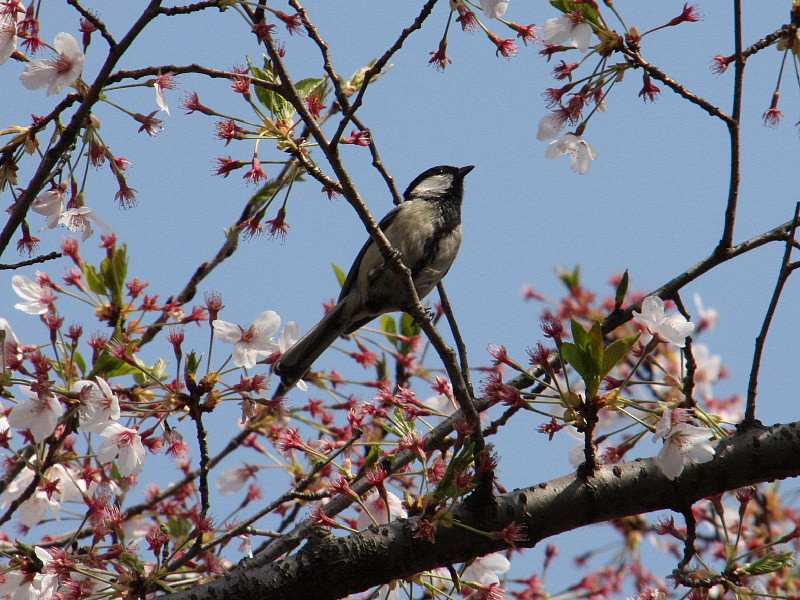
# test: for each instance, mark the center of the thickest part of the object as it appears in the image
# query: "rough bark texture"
(331, 567)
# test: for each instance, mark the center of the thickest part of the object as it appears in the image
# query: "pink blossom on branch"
(672, 328)
(58, 73)
(39, 298)
(252, 344)
(494, 9)
(581, 152)
(39, 413)
(683, 443)
(9, 20)
(570, 26)
(124, 445)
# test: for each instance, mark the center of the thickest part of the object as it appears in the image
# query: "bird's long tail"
(294, 363)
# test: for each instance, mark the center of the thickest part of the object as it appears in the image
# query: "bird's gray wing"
(352, 276)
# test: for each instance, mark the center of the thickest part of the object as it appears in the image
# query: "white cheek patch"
(436, 185)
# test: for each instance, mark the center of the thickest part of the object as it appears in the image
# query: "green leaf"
(569, 277)
(80, 362)
(408, 326)
(341, 276)
(576, 358)
(276, 104)
(372, 458)
(132, 561)
(595, 344)
(114, 271)
(772, 562)
(107, 366)
(589, 12)
(311, 87)
(616, 352)
(389, 328)
(93, 279)
(579, 333)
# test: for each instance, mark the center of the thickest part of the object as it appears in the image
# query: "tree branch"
(335, 567)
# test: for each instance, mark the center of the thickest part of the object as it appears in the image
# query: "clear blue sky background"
(652, 202)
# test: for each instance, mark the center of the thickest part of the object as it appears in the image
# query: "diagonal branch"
(783, 276)
(325, 569)
(70, 133)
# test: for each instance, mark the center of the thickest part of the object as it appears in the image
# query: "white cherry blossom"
(567, 27)
(56, 74)
(581, 152)
(672, 328)
(684, 443)
(494, 9)
(125, 445)
(39, 298)
(39, 413)
(252, 344)
(377, 508)
(8, 31)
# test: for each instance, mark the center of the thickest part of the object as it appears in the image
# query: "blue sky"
(651, 203)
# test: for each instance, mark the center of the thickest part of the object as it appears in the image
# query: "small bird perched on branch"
(425, 230)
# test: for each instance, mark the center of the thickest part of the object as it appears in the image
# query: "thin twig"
(124, 74)
(192, 8)
(31, 261)
(734, 133)
(688, 353)
(70, 133)
(376, 68)
(676, 87)
(691, 535)
(243, 526)
(342, 97)
(92, 18)
(459, 341)
(783, 275)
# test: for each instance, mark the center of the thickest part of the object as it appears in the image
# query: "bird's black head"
(438, 182)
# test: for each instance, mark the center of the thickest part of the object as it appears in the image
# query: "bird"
(426, 230)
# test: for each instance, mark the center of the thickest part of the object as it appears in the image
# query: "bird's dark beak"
(464, 170)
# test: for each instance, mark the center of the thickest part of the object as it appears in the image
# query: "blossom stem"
(780, 73)
(616, 14)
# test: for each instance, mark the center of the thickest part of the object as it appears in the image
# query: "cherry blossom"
(80, 219)
(252, 344)
(8, 31)
(375, 506)
(20, 585)
(50, 204)
(708, 369)
(161, 83)
(673, 328)
(39, 413)
(33, 510)
(683, 443)
(494, 9)
(572, 26)
(550, 126)
(288, 338)
(40, 298)
(232, 480)
(708, 318)
(581, 152)
(56, 74)
(98, 403)
(10, 345)
(125, 445)
(485, 570)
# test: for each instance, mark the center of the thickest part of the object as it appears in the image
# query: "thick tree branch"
(335, 567)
